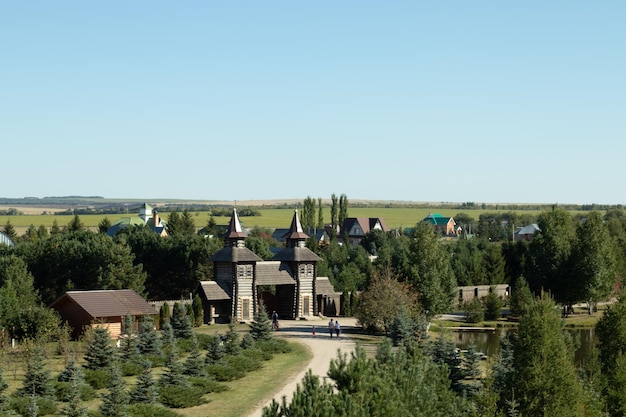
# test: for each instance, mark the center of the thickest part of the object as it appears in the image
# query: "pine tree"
(261, 325)
(146, 391)
(174, 373)
(32, 409)
(130, 345)
(198, 312)
(215, 349)
(9, 230)
(164, 315)
(4, 399)
(149, 342)
(72, 371)
(100, 353)
(168, 341)
(74, 407)
(232, 342)
(402, 329)
(38, 380)
(194, 364)
(545, 379)
(180, 322)
(115, 401)
(521, 296)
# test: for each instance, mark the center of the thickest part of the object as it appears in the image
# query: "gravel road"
(321, 346)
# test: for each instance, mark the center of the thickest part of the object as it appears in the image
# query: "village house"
(354, 229)
(101, 308)
(147, 217)
(446, 226)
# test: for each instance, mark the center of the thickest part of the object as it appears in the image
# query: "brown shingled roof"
(297, 255)
(324, 287)
(235, 254)
(273, 273)
(213, 292)
(108, 303)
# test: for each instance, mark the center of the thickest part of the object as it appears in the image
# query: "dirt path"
(322, 347)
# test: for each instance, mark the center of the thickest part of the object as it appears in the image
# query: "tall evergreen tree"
(343, 208)
(550, 256)
(611, 334)
(494, 264)
(164, 315)
(430, 271)
(149, 342)
(104, 225)
(75, 225)
(55, 229)
(198, 312)
(320, 214)
(521, 296)
(100, 353)
(74, 407)
(334, 214)
(261, 325)
(115, 401)
(180, 322)
(38, 380)
(194, 365)
(544, 381)
(146, 391)
(9, 230)
(187, 224)
(595, 260)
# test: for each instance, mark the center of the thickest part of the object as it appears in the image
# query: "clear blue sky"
(236, 100)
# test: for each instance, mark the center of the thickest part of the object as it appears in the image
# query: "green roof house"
(444, 225)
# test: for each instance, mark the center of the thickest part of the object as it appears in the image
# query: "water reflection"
(488, 342)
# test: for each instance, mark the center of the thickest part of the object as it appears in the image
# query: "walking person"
(337, 328)
(275, 320)
(331, 327)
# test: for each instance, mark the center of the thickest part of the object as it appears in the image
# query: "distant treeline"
(100, 205)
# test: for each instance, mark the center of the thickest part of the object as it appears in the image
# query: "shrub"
(474, 311)
(222, 372)
(243, 363)
(493, 306)
(274, 346)
(207, 385)
(150, 410)
(258, 354)
(131, 368)
(181, 397)
(62, 390)
(45, 405)
(97, 378)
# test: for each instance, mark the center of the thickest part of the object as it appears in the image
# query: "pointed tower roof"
(235, 231)
(295, 249)
(234, 249)
(295, 232)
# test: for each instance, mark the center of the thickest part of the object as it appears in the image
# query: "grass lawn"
(251, 391)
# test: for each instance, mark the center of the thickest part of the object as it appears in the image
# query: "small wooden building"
(468, 293)
(101, 308)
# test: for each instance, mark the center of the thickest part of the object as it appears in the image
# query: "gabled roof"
(107, 303)
(213, 292)
(324, 287)
(297, 254)
(437, 219)
(235, 254)
(531, 229)
(4, 238)
(366, 224)
(273, 273)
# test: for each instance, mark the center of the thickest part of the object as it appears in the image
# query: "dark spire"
(234, 234)
(295, 236)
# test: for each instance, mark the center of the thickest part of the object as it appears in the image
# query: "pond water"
(488, 342)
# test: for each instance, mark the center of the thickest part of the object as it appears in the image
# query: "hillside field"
(395, 217)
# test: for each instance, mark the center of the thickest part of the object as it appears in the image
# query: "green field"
(395, 217)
